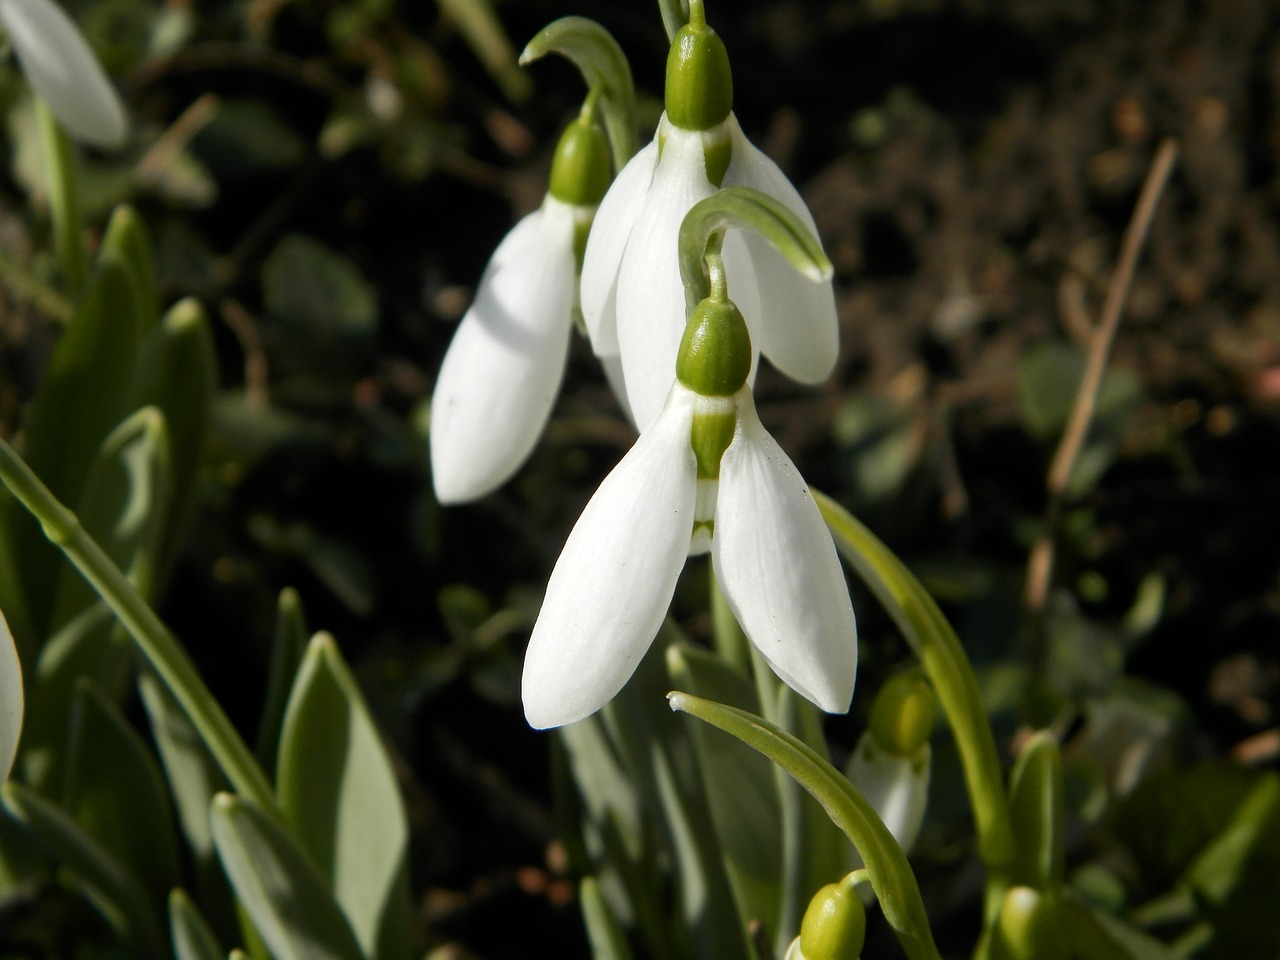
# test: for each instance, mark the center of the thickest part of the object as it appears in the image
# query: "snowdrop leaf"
(287, 650)
(104, 880)
(341, 800)
(1036, 803)
(127, 238)
(610, 589)
(603, 932)
(278, 887)
(501, 374)
(11, 700)
(189, 931)
(891, 877)
(747, 209)
(779, 571)
(63, 70)
(311, 289)
(116, 794)
(600, 60)
(606, 245)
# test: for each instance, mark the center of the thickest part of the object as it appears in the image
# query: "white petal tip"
(677, 701)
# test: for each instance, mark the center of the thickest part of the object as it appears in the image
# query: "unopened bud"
(902, 714)
(835, 924)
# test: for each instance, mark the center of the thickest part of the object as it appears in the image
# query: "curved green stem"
(886, 865)
(166, 655)
(944, 660)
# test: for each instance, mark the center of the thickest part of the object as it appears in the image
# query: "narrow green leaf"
(675, 14)
(483, 32)
(1093, 934)
(116, 794)
(177, 374)
(83, 397)
(944, 660)
(125, 495)
(286, 656)
(746, 209)
(127, 238)
(891, 875)
(190, 932)
(278, 886)
(64, 199)
(1221, 867)
(340, 798)
(740, 787)
(102, 878)
(603, 933)
(11, 700)
(603, 65)
(1037, 806)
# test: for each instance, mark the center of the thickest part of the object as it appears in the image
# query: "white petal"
(502, 371)
(794, 321)
(896, 787)
(63, 70)
(778, 568)
(10, 700)
(605, 244)
(611, 587)
(612, 364)
(650, 307)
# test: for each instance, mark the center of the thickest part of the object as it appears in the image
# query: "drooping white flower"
(501, 373)
(632, 297)
(63, 71)
(10, 700)
(705, 475)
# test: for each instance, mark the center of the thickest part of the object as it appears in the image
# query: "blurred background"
(329, 179)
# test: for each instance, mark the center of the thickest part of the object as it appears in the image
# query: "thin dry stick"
(1040, 564)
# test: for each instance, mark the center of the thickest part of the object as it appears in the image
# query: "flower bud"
(835, 924)
(580, 172)
(715, 353)
(1029, 927)
(902, 714)
(699, 92)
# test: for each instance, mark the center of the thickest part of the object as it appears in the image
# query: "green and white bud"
(891, 763)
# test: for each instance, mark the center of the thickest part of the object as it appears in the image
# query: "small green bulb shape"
(835, 924)
(699, 93)
(902, 714)
(580, 171)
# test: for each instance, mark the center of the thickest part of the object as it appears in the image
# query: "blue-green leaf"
(116, 793)
(341, 800)
(102, 878)
(190, 932)
(286, 656)
(276, 884)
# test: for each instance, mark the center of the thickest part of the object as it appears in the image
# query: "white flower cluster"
(670, 495)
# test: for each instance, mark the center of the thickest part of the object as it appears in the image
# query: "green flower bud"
(699, 93)
(580, 172)
(902, 714)
(835, 924)
(1029, 927)
(715, 353)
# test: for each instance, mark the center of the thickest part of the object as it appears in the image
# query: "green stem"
(891, 875)
(64, 201)
(170, 661)
(951, 674)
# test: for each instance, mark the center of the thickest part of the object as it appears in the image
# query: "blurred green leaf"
(247, 137)
(277, 885)
(84, 396)
(99, 875)
(1048, 378)
(882, 442)
(189, 931)
(1094, 934)
(341, 799)
(177, 375)
(344, 571)
(287, 649)
(116, 794)
(483, 32)
(314, 291)
(1038, 810)
(605, 936)
(127, 238)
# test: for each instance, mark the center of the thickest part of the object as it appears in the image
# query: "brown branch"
(1040, 563)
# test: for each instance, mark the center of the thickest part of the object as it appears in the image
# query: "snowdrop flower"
(63, 71)
(502, 371)
(10, 700)
(890, 765)
(705, 475)
(632, 299)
